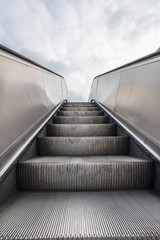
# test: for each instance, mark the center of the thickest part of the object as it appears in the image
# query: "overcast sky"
(80, 39)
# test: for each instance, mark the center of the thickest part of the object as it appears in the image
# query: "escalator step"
(80, 119)
(80, 113)
(79, 105)
(80, 109)
(77, 130)
(93, 173)
(54, 146)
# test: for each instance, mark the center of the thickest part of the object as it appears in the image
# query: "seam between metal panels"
(130, 132)
(22, 148)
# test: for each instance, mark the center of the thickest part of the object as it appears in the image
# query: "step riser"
(80, 113)
(81, 120)
(82, 130)
(85, 177)
(79, 102)
(80, 105)
(72, 146)
(79, 109)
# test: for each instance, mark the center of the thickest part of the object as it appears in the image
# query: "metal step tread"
(86, 160)
(80, 119)
(80, 108)
(80, 113)
(109, 129)
(69, 146)
(81, 215)
(94, 173)
(80, 105)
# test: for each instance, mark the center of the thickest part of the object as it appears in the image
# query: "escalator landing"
(90, 215)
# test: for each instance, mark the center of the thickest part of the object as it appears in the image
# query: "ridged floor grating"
(92, 173)
(65, 215)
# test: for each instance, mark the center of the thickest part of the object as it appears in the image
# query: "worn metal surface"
(93, 173)
(69, 146)
(79, 108)
(80, 113)
(89, 104)
(80, 119)
(82, 215)
(10, 158)
(27, 93)
(81, 130)
(132, 92)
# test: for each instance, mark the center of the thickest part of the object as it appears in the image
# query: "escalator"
(87, 180)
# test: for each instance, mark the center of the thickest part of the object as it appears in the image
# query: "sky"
(80, 39)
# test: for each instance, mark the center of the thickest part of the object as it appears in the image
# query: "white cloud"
(80, 38)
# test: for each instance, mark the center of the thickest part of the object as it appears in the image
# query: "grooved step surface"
(85, 173)
(82, 215)
(79, 105)
(50, 146)
(80, 113)
(81, 130)
(80, 119)
(80, 109)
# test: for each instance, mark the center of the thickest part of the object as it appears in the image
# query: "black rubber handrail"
(8, 50)
(147, 57)
(13, 155)
(131, 133)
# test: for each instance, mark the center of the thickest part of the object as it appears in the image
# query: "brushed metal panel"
(53, 86)
(9, 187)
(110, 83)
(141, 106)
(19, 86)
(134, 95)
(25, 97)
(93, 89)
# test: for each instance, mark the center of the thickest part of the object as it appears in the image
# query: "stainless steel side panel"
(133, 93)
(27, 92)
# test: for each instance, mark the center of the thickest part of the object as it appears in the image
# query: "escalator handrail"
(23, 146)
(131, 133)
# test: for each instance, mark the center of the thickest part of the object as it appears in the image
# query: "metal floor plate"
(109, 215)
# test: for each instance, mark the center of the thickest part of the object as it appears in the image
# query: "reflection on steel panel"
(133, 93)
(27, 93)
